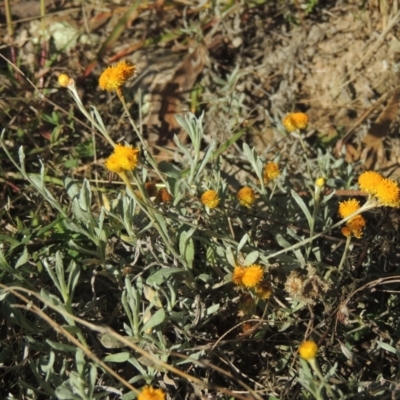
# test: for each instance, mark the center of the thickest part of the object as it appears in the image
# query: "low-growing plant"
(143, 290)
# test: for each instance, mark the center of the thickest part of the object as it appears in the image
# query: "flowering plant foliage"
(185, 253)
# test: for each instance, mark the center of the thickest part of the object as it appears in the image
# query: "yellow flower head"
(295, 121)
(308, 350)
(320, 182)
(237, 277)
(348, 207)
(388, 193)
(271, 171)
(163, 196)
(210, 198)
(151, 189)
(246, 197)
(64, 80)
(357, 233)
(115, 76)
(149, 393)
(369, 181)
(356, 223)
(263, 290)
(346, 231)
(252, 276)
(354, 226)
(124, 158)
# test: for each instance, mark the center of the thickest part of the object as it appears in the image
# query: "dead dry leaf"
(170, 97)
(27, 9)
(374, 139)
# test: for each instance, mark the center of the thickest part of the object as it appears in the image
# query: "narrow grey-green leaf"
(156, 319)
(61, 346)
(243, 241)
(118, 358)
(230, 257)
(303, 206)
(162, 275)
(251, 258)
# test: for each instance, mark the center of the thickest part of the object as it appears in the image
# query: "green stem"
(314, 365)
(303, 145)
(367, 206)
(346, 250)
(146, 150)
(312, 224)
(81, 107)
(147, 209)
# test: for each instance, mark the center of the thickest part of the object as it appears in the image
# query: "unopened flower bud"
(63, 80)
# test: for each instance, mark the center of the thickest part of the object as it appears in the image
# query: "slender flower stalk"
(296, 122)
(308, 351)
(70, 85)
(345, 252)
(369, 205)
(146, 150)
(319, 183)
(148, 209)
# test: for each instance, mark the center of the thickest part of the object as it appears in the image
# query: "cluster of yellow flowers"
(246, 195)
(355, 225)
(386, 190)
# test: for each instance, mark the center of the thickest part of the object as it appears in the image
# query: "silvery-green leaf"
(162, 275)
(251, 258)
(170, 169)
(388, 347)
(303, 206)
(207, 156)
(212, 309)
(23, 259)
(64, 393)
(61, 346)
(230, 257)
(243, 241)
(118, 357)
(186, 246)
(71, 187)
(156, 319)
(98, 118)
